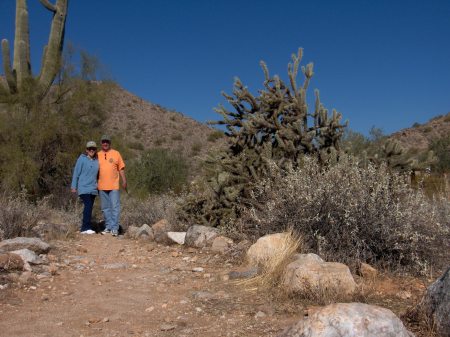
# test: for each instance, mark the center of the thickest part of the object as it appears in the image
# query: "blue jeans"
(88, 201)
(111, 208)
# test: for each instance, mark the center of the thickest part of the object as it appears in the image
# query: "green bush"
(157, 171)
(441, 148)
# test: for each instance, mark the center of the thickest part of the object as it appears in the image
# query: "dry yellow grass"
(272, 269)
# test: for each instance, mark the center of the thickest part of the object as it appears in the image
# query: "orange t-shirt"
(110, 163)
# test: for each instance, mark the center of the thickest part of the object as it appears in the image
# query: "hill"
(420, 136)
(145, 125)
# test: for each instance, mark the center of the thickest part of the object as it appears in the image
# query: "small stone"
(177, 237)
(164, 305)
(167, 327)
(404, 295)
(59, 324)
(197, 270)
(105, 320)
(260, 314)
(174, 254)
(149, 309)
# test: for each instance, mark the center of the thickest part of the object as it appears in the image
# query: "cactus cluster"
(275, 126)
(19, 75)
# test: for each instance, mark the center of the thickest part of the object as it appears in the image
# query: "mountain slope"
(420, 136)
(144, 125)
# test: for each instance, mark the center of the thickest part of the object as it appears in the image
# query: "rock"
(145, 231)
(160, 230)
(435, 304)
(403, 294)
(197, 270)
(25, 277)
(349, 320)
(308, 273)
(9, 262)
(177, 237)
(167, 327)
(200, 236)
(367, 271)
(260, 314)
(115, 266)
(35, 244)
(221, 244)
(243, 272)
(265, 247)
(28, 256)
(131, 231)
(202, 295)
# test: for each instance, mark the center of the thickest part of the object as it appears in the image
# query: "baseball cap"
(91, 144)
(106, 137)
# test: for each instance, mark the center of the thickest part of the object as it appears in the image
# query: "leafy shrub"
(157, 171)
(348, 214)
(196, 148)
(441, 148)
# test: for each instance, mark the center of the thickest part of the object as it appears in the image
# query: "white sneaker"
(89, 231)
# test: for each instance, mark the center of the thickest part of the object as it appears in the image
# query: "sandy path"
(118, 287)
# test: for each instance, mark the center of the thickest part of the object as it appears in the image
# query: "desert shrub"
(177, 137)
(136, 211)
(196, 148)
(136, 145)
(441, 148)
(215, 135)
(157, 171)
(348, 214)
(17, 216)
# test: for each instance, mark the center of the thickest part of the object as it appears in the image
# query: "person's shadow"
(99, 226)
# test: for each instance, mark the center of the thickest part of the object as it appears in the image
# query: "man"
(111, 166)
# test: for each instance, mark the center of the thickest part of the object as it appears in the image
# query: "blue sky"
(382, 63)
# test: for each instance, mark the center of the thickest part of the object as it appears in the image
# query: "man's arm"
(124, 179)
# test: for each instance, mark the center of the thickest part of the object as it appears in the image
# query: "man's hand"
(124, 184)
(73, 190)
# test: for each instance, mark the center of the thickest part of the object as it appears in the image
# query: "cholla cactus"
(274, 126)
(19, 75)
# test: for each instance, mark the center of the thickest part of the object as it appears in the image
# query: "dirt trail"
(110, 286)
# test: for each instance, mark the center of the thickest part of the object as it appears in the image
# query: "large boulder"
(35, 244)
(10, 262)
(266, 247)
(200, 236)
(160, 230)
(349, 320)
(436, 304)
(309, 274)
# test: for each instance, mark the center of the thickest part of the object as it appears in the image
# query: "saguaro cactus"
(19, 74)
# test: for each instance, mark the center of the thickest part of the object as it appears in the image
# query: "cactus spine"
(20, 73)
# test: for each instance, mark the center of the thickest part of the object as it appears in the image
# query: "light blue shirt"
(85, 175)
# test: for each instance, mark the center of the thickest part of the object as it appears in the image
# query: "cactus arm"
(52, 61)
(21, 60)
(48, 5)
(10, 78)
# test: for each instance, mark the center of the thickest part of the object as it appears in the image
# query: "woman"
(84, 182)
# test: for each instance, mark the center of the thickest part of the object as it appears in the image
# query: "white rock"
(28, 256)
(349, 320)
(177, 237)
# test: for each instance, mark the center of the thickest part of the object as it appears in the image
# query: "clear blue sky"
(382, 63)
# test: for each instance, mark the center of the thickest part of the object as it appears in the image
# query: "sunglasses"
(106, 142)
(92, 149)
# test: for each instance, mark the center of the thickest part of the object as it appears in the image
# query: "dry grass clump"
(136, 212)
(18, 216)
(349, 214)
(272, 269)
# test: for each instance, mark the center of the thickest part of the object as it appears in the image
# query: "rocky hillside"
(145, 125)
(420, 136)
